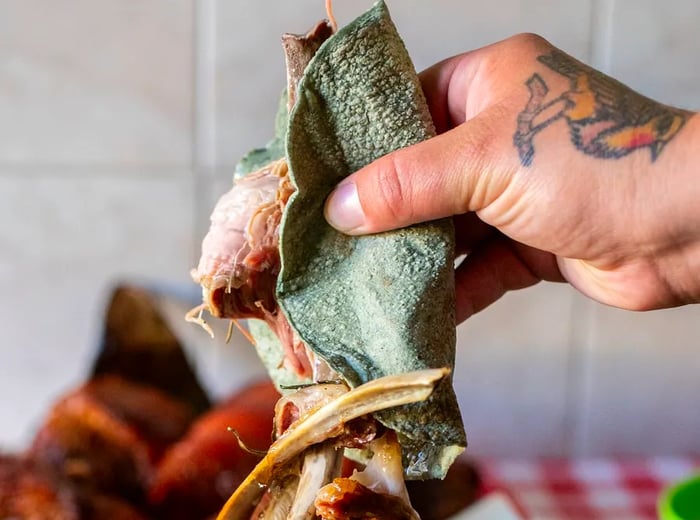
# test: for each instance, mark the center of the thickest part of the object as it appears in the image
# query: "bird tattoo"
(606, 119)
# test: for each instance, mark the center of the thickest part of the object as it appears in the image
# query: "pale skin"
(551, 171)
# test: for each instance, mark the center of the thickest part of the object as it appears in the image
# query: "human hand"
(552, 171)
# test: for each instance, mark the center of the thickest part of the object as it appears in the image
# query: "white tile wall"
(640, 390)
(120, 121)
(655, 48)
(64, 241)
(512, 373)
(106, 82)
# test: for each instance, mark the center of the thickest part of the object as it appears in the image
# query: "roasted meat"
(200, 471)
(108, 434)
(32, 492)
(240, 259)
(347, 499)
(138, 345)
(88, 445)
(158, 418)
(101, 507)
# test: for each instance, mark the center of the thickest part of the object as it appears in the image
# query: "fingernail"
(343, 209)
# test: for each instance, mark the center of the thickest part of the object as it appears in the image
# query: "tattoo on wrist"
(605, 118)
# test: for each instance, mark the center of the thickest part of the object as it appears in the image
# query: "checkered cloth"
(590, 489)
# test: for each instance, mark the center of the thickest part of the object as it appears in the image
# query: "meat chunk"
(158, 418)
(100, 507)
(347, 499)
(88, 445)
(240, 254)
(197, 474)
(240, 259)
(30, 492)
(108, 435)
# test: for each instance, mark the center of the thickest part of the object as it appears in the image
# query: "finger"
(446, 112)
(462, 170)
(498, 267)
(460, 87)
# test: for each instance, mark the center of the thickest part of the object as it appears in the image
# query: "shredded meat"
(347, 499)
(240, 259)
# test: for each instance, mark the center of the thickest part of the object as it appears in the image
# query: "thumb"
(462, 170)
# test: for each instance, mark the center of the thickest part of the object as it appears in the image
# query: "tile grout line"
(204, 85)
(102, 170)
(204, 135)
(203, 110)
(600, 35)
(581, 321)
(583, 316)
(583, 333)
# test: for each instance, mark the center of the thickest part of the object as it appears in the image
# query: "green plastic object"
(681, 501)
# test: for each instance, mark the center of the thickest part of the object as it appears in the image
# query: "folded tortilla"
(374, 305)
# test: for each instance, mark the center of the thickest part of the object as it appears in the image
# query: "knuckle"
(479, 141)
(529, 41)
(485, 176)
(478, 144)
(392, 189)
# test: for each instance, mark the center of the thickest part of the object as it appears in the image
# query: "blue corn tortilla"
(374, 305)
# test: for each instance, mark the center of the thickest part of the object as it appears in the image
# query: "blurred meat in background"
(198, 474)
(140, 438)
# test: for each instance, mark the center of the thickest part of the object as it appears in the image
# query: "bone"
(321, 465)
(327, 422)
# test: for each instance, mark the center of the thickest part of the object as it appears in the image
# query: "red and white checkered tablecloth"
(590, 489)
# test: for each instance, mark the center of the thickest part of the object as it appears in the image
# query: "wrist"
(673, 201)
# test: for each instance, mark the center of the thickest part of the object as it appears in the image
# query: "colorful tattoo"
(605, 118)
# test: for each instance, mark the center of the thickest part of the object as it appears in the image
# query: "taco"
(358, 333)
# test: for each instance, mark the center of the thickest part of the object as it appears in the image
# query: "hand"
(552, 171)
